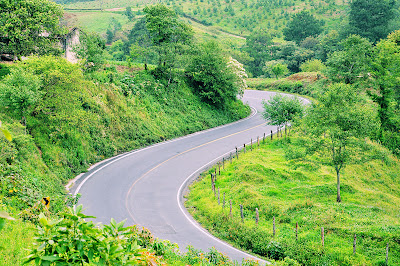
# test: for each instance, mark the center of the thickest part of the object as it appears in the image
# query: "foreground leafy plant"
(72, 240)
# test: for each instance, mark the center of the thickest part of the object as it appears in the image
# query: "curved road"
(146, 186)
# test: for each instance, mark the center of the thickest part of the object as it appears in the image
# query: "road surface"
(146, 186)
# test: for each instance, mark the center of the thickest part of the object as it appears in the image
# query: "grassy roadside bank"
(297, 191)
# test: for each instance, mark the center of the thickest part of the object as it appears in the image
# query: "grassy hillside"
(301, 191)
(238, 17)
(80, 120)
(77, 120)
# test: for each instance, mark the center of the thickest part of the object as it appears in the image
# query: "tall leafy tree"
(168, 33)
(258, 46)
(370, 18)
(210, 77)
(351, 64)
(30, 27)
(281, 110)
(302, 25)
(339, 124)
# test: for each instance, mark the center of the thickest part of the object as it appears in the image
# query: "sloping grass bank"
(303, 191)
(76, 120)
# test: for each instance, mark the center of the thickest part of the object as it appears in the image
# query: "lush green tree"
(385, 71)
(302, 25)
(276, 68)
(30, 27)
(339, 123)
(293, 55)
(282, 110)
(328, 44)
(168, 34)
(351, 64)
(129, 14)
(210, 77)
(90, 50)
(258, 46)
(19, 91)
(370, 19)
(314, 65)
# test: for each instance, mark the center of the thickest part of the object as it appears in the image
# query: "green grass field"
(304, 192)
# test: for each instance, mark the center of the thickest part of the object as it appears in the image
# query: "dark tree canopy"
(370, 18)
(29, 27)
(302, 26)
(258, 46)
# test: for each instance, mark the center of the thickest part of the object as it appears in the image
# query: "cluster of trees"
(307, 41)
(359, 101)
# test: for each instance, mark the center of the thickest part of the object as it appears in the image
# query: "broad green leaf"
(7, 134)
(50, 258)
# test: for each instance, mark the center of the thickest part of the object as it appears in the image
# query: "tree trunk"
(338, 199)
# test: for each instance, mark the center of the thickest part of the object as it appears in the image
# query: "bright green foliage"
(72, 240)
(276, 179)
(370, 19)
(28, 27)
(129, 14)
(386, 70)
(276, 68)
(301, 26)
(282, 110)
(210, 77)
(168, 34)
(19, 91)
(351, 64)
(90, 49)
(339, 122)
(314, 65)
(6, 133)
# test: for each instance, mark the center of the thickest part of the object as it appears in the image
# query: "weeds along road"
(146, 186)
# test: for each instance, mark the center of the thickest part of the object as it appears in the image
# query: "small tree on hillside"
(19, 91)
(338, 125)
(282, 110)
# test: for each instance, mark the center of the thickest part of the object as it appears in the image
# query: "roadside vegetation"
(290, 189)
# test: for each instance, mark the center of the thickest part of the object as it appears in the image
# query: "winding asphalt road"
(146, 186)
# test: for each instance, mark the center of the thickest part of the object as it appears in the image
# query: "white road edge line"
(119, 157)
(179, 196)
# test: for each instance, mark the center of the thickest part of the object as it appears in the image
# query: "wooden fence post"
(258, 141)
(230, 156)
(215, 173)
(244, 148)
(297, 228)
(257, 216)
(241, 212)
(354, 244)
(237, 154)
(387, 254)
(264, 138)
(223, 163)
(272, 134)
(273, 227)
(230, 207)
(322, 237)
(212, 180)
(219, 169)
